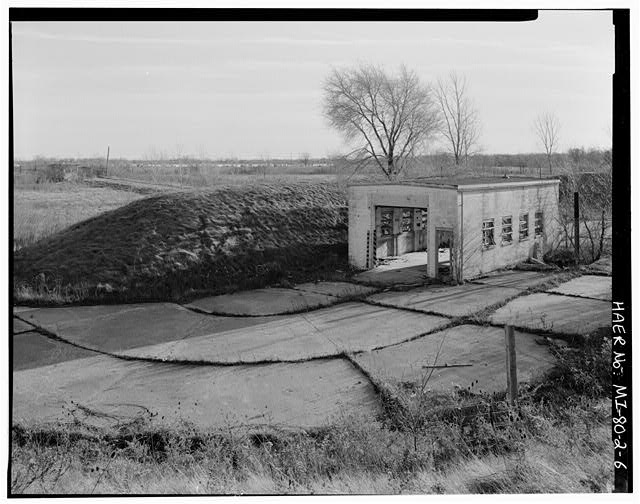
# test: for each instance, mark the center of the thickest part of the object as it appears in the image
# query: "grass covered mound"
(172, 246)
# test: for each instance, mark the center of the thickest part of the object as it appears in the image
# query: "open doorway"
(401, 237)
(400, 246)
(444, 242)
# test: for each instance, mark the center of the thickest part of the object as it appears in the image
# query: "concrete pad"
(347, 327)
(107, 391)
(273, 301)
(31, 350)
(556, 314)
(337, 289)
(590, 286)
(516, 279)
(114, 328)
(478, 351)
(452, 301)
(20, 326)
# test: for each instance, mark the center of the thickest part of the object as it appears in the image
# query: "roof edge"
(464, 187)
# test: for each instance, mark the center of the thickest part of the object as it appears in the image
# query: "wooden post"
(576, 225)
(512, 375)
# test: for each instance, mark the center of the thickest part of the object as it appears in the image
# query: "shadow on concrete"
(408, 270)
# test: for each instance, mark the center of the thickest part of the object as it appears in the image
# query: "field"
(44, 209)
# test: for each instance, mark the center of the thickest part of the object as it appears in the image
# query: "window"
(539, 224)
(420, 219)
(487, 234)
(524, 226)
(507, 231)
(386, 222)
(407, 225)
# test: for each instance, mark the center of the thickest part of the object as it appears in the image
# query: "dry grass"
(175, 245)
(352, 456)
(42, 210)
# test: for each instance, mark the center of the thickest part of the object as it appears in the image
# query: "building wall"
(476, 206)
(363, 200)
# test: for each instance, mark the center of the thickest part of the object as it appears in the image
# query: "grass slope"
(171, 246)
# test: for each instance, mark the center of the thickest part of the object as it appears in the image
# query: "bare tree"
(390, 117)
(595, 202)
(461, 125)
(547, 128)
(304, 157)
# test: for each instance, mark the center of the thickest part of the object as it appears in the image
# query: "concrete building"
(481, 223)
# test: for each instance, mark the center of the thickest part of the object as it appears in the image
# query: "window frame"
(409, 220)
(538, 226)
(383, 225)
(486, 229)
(522, 228)
(503, 242)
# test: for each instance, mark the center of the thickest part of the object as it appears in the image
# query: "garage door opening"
(401, 238)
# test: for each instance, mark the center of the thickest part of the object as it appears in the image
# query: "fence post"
(576, 225)
(512, 375)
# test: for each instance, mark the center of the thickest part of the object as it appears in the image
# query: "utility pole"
(106, 170)
(576, 224)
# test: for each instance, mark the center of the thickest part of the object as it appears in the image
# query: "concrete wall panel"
(475, 207)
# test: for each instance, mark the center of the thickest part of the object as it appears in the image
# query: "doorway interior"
(444, 242)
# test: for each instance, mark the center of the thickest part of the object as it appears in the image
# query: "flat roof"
(462, 182)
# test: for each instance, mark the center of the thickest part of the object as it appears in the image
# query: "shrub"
(562, 257)
(52, 173)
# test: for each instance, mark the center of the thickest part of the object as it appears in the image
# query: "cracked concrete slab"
(555, 313)
(337, 289)
(451, 301)
(271, 301)
(113, 328)
(347, 327)
(590, 286)
(516, 279)
(474, 355)
(19, 326)
(113, 390)
(32, 350)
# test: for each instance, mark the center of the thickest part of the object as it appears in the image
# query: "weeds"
(459, 451)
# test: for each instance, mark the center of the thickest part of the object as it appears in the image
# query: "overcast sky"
(253, 90)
